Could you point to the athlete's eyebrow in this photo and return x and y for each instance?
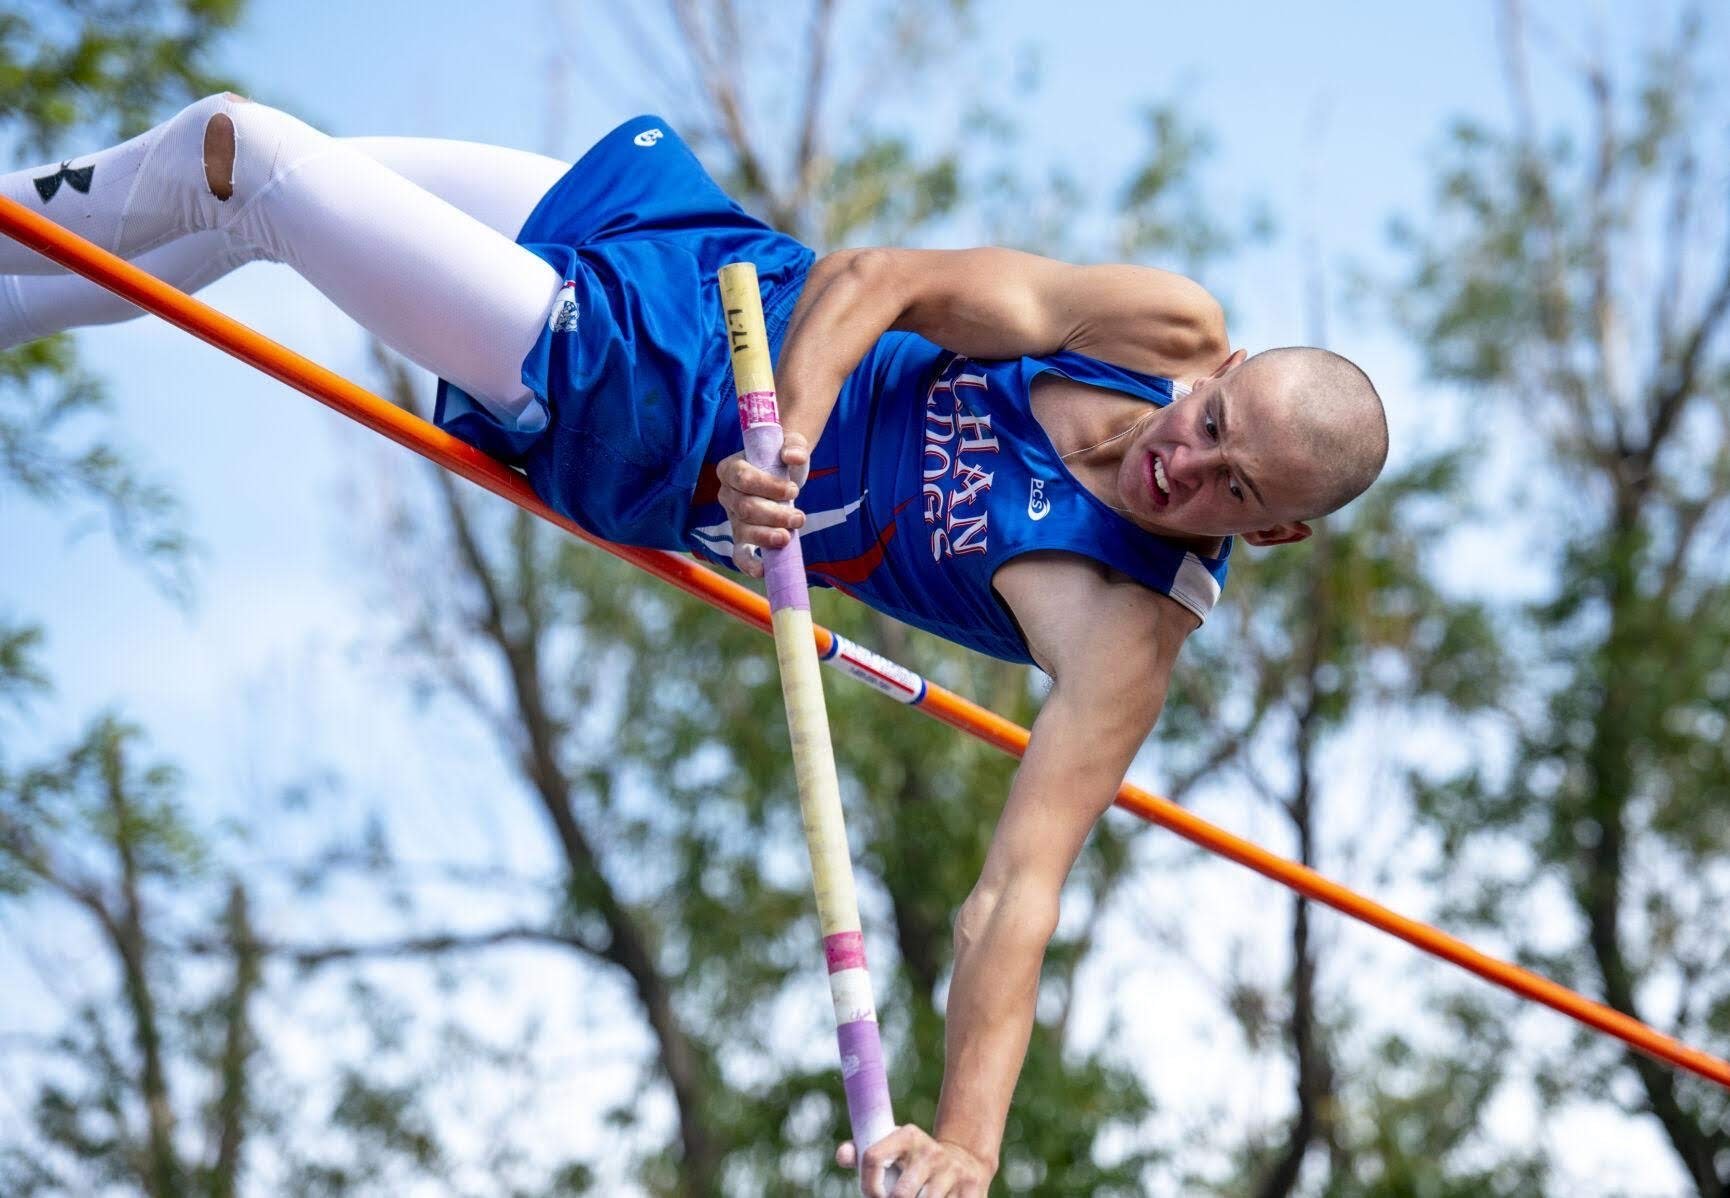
(1219, 421)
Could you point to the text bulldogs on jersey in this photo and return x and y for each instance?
(954, 483)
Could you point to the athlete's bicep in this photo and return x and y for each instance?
(997, 303)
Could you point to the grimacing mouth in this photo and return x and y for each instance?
(1157, 485)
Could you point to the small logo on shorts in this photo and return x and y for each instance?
(1038, 506)
(565, 310)
(649, 137)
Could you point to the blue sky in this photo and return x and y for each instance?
(1332, 113)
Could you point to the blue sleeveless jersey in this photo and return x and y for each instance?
(930, 475)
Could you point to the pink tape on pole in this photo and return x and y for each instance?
(845, 950)
(758, 407)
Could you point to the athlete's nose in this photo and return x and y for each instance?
(1190, 465)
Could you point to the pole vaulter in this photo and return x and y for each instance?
(202, 321)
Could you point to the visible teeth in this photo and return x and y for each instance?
(1159, 476)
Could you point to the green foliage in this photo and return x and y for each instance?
(1567, 279)
(882, 192)
(1164, 211)
(21, 677)
(110, 66)
(94, 69)
(53, 449)
(1312, 639)
(1414, 1122)
(94, 792)
(93, 830)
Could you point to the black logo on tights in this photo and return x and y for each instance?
(78, 180)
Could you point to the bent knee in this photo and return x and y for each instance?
(219, 156)
(225, 147)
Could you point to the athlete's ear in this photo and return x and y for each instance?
(1231, 363)
(1279, 534)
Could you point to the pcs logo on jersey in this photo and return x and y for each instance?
(1038, 506)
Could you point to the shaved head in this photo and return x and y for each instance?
(1333, 417)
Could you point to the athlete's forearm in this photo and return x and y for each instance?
(992, 996)
(846, 306)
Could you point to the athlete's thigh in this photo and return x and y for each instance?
(496, 185)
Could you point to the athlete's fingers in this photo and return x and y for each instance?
(796, 456)
(756, 534)
(845, 1154)
(914, 1174)
(874, 1168)
(918, 1169)
(753, 509)
(739, 474)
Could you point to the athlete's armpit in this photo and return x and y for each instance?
(1077, 616)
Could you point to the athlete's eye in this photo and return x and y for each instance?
(1236, 491)
(1211, 427)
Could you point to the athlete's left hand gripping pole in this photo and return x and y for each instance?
(862, 1070)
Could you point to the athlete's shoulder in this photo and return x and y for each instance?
(1080, 614)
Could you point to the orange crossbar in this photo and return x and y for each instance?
(357, 403)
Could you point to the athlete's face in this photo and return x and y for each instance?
(1213, 464)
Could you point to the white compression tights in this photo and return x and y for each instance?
(411, 237)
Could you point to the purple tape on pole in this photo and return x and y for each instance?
(865, 1081)
(784, 568)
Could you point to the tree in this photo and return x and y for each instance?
(103, 68)
(159, 1082)
(97, 832)
(108, 66)
(1578, 278)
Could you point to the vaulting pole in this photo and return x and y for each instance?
(439, 447)
(863, 1075)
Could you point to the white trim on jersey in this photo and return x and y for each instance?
(718, 537)
(1195, 586)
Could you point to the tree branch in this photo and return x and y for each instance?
(1681, 380)
(717, 81)
(233, 1104)
(816, 81)
(1551, 289)
(1681, 215)
(1599, 254)
(317, 956)
(131, 945)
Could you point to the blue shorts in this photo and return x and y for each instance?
(632, 367)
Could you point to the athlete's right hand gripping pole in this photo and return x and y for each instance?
(862, 1071)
